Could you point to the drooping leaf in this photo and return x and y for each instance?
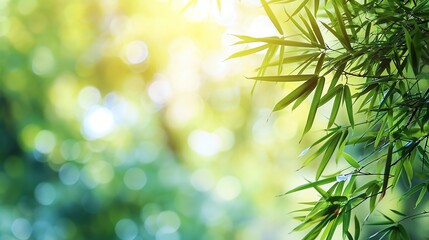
(328, 154)
(272, 17)
(249, 51)
(307, 86)
(351, 160)
(315, 27)
(349, 104)
(312, 185)
(286, 78)
(314, 104)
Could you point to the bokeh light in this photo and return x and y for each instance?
(124, 120)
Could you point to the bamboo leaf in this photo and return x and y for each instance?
(387, 167)
(331, 93)
(342, 28)
(299, 91)
(301, 6)
(349, 104)
(315, 27)
(312, 185)
(328, 154)
(337, 35)
(319, 64)
(276, 41)
(421, 195)
(357, 228)
(314, 104)
(249, 51)
(335, 108)
(272, 17)
(351, 160)
(286, 78)
(297, 25)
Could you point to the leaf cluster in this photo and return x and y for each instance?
(368, 59)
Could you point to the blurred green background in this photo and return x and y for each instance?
(121, 119)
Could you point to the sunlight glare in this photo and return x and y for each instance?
(98, 122)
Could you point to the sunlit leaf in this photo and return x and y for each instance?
(312, 185)
(351, 160)
(305, 87)
(286, 78)
(315, 27)
(314, 104)
(349, 104)
(272, 17)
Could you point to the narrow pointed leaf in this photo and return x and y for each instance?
(335, 108)
(299, 91)
(312, 185)
(272, 17)
(351, 160)
(328, 154)
(349, 104)
(315, 27)
(285, 78)
(249, 51)
(314, 104)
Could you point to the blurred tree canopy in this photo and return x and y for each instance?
(121, 119)
(368, 59)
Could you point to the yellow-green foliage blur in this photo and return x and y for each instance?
(122, 119)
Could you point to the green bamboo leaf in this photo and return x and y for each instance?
(421, 195)
(412, 191)
(314, 104)
(381, 133)
(312, 185)
(298, 26)
(319, 64)
(346, 219)
(309, 30)
(317, 153)
(390, 220)
(357, 228)
(373, 199)
(249, 51)
(342, 28)
(350, 186)
(342, 144)
(305, 87)
(403, 232)
(398, 212)
(286, 78)
(272, 17)
(412, 57)
(351, 160)
(408, 169)
(316, 6)
(315, 27)
(335, 108)
(337, 35)
(349, 104)
(276, 41)
(267, 59)
(387, 167)
(292, 59)
(330, 94)
(301, 6)
(337, 75)
(300, 100)
(281, 60)
(328, 154)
